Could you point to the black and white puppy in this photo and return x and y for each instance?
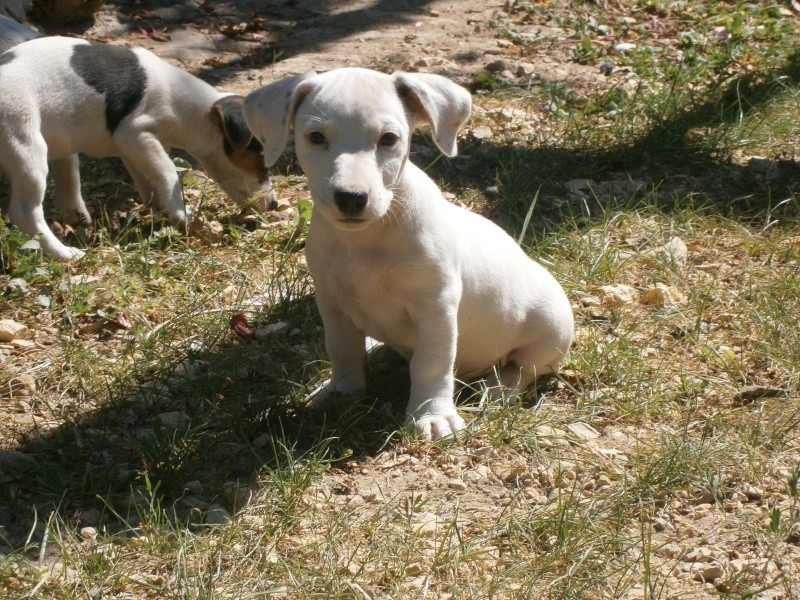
(64, 96)
(13, 33)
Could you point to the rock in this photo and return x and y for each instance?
(211, 232)
(624, 47)
(660, 524)
(749, 393)
(356, 500)
(482, 132)
(581, 185)
(534, 496)
(472, 476)
(229, 294)
(763, 170)
(91, 517)
(372, 494)
(15, 460)
(22, 346)
(22, 386)
(674, 251)
(618, 294)
(497, 66)
(11, 330)
(88, 533)
(701, 554)
(602, 481)
(661, 295)
(239, 494)
(217, 515)
(272, 330)
(173, 419)
(19, 286)
(509, 473)
(751, 491)
(359, 591)
(670, 550)
(508, 115)
(708, 573)
(485, 453)
(583, 430)
(457, 484)
(526, 70)
(262, 441)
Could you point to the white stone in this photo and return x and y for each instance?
(11, 330)
(217, 515)
(618, 294)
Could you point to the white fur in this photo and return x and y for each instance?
(447, 288)
(49, 115)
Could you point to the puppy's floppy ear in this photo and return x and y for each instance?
(435, 100)
(269, 111)
(228, 115)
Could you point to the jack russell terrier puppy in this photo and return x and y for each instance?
(392, 259)
(63, 96)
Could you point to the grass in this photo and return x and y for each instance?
(163, 456)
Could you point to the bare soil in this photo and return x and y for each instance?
(239, 45)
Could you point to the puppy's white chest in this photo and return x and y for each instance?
(369, 286)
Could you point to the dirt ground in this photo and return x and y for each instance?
(239, 45)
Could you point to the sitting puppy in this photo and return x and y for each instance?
(13, 33)
(62, 96)
(392, 259)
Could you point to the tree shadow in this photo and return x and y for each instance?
(190, 434)
(677, 160)
(292, 27)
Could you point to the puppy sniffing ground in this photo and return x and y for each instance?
(392, 259)
(64, 96)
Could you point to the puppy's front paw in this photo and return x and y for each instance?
(68, 253)
(438, 426)
(328, 395)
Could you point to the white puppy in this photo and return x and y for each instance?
(392, 259)
(62, 96)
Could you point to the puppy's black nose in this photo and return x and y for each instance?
(350, 203)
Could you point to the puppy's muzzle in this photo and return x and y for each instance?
(350, 204)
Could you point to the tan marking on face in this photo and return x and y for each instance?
(250, 161)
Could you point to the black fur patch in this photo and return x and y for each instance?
(237, 133)
(6, 57)
(403, 90)
(115, 72)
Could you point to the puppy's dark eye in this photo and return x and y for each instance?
(389, 139)
(316, 137)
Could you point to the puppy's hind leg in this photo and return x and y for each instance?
(520, 372)
(27, 195)
(68, 198)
